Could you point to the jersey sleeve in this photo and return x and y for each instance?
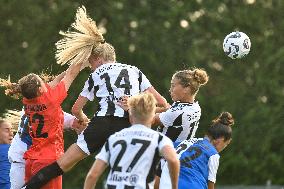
(58, 93)
(168, 117)
(88, 90)
(68, 120)
(143, 82)
(164, 142)
(104, 154)
(213, 165)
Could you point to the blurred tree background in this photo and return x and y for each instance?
(160, 37)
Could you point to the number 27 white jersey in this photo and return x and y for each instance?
(133, 154)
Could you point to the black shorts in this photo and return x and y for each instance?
(98, 131)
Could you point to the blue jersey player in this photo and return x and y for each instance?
(6, 136)
(199, 158)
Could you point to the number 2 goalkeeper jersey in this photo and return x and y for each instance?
(46, 123)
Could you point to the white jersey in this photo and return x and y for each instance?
(22, 140)
(180, 121)
(133, 154)
(109, 82)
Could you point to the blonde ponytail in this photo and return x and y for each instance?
(77, 44)
(11, 89)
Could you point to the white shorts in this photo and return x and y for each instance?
(17, 175)
(82, 143)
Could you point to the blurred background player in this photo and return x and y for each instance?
(108, 83)
(199, 158)
(133, 153)
(6, 136)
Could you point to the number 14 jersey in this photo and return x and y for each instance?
(111, 81)
(133, 154)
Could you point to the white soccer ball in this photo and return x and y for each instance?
(236, 45)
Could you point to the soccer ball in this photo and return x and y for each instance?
(236, 45)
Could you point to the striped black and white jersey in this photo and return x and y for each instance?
(109, 82)
(180, 122)
(133, 154)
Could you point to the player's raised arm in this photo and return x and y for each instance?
(161, 101)
(77, 110)
(57, 79)
(71, 74)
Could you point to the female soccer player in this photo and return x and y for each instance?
(132, 153)
(6, 136)
(199, 158)
(42, 105)
(180, 121)
(22, 141)
(108, 83)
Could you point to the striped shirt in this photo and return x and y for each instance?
(111, 81)
(180, 122)
(133, 155)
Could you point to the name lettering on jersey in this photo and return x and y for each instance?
(35, 108)
(109, 67)
(135, 133)
(132, 179)
(193, 116)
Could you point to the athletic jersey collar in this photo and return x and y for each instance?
(189, 103)
(139, 125)
(176, 103)
(106, 64)
(206, 138)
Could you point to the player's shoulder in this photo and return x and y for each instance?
(192, 109)
(4, 148)
(163, 137)
(195, 105)
(189, 142)
(128, 67)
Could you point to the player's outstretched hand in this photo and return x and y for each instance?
(123, 103)
(77, 127)
(84, 122)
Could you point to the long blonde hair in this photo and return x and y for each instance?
(78, 42)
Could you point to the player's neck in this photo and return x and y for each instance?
(146, 124)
